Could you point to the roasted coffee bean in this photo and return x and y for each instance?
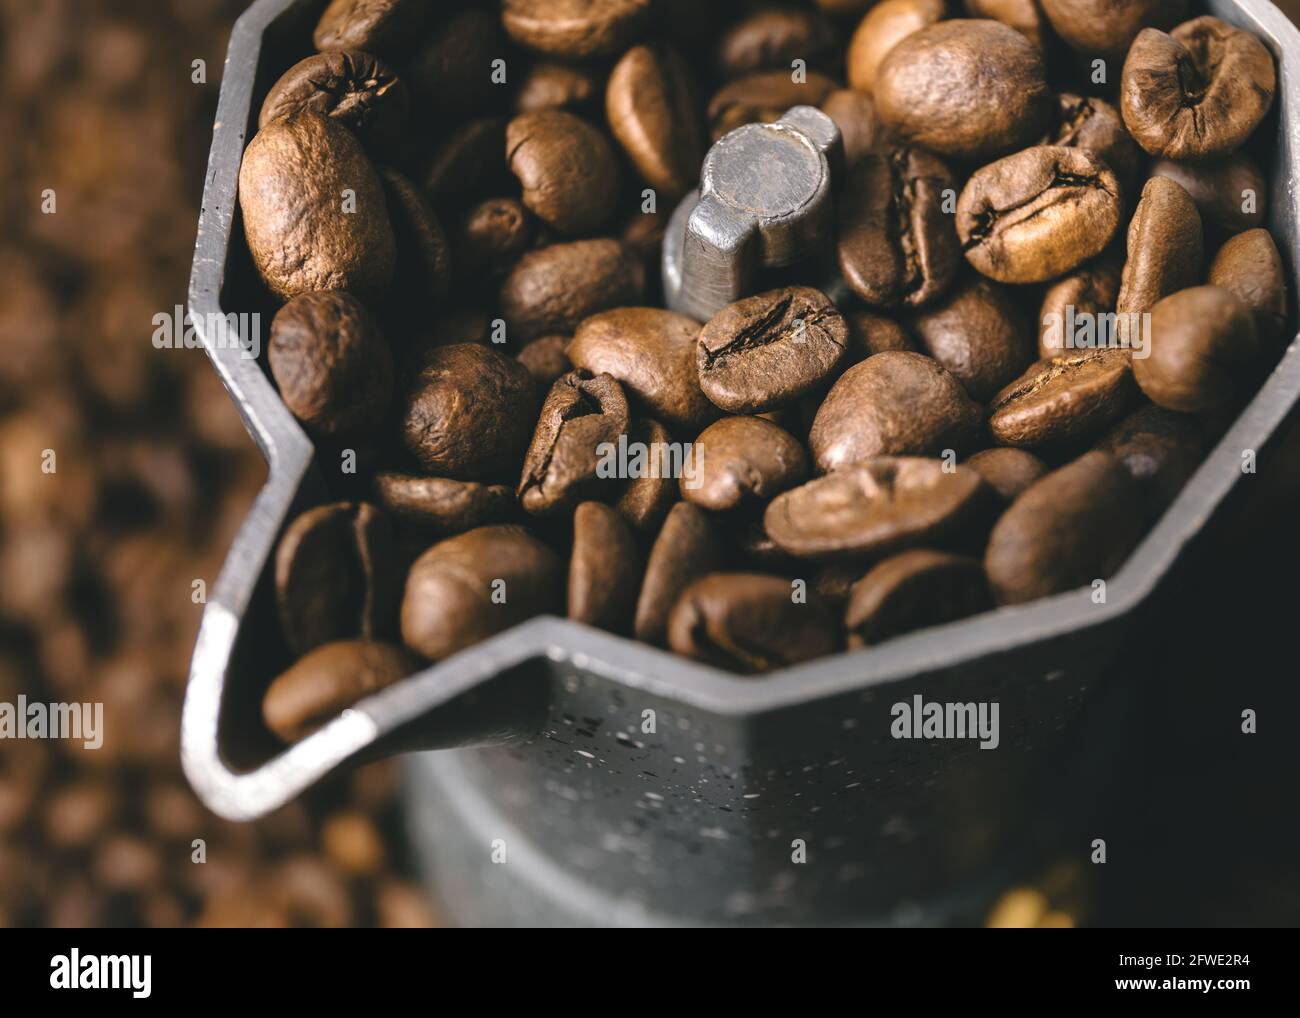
(883, 27)
(449, 327)
(567, 170)
(1107, 29)
(1202, 340)
(470, 163)
(582, 416)
(1198, 92)
(604, 569)
(475, 585)
(440, 505)
(1249, 266)
(685, 549)
(861, 132)
(552, 289)
(495, 233)
(1165, 250)
(545, 359)
(1095, 126)
(896, 243)
(979, 334)
(1025, 16)
(833, 582)
(652, 352)
(649, 495)
(336, 575)
(763, 98)
(1078, 524)
(359, 91)
(450, 72)
(1009, 472)
(300, 233)
(870, 333)
(576, 28)
(1064, 399)
(741, 460)
(968, 89)
(750, 623)
(1086, 294)
(895, 403)
(770, 40)
(331, 365)
(913, 590)
(653, 111)
(1230, 193)
(877, 507)
(766, 351)
(423, 253)
(469, 412)
(386, 27)
(1160, 449)
(548, 85)
(327, 681)
(1037, 214)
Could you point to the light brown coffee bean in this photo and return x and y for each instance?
(356, 89)
(553, 288)
(686, 548)
(647, 497)
(1165, 250)
(604, 569)
(440, 505)
(653, 111)
(881, 29)
(870, 333)
(861, 132)
(1085, 294)
(550, 85)
(1064, 399)
(1249, 266)
(567, 170)
(1007, 471)
(576, 28)
(914, 590)
(743, 460)
(1025, 16)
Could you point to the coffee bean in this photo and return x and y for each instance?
(743, 459)
(652, 353)
(653, 111)
(1009, 472)
(1087, 293)
(1037, 214)
(1230, 193)
(896, 243)
(1160, 449)
(475, 585)
(1076, 525)
(566, 168)
(1198, 92)
(545, 359)
(1249, 266)
(861, 132)
(763, 98)
(580, 415)
(1025, 16)
(770, 40)
(495, 233)
(879, 506)
(914, 590)
(450, 71)
(576, 28)
(979, 334)
(385, 27)
(833, 582)
(1165, 250)
(470, 163)
(1063, 399)
(646, 499)
(1202, 340)
(300, 235)
(359, 91)
(1106, 29)
(685, 549)
(892, 404)
(968, 89)
(336, 575)
(440, 505)
(883, 27)
(469, 412)
(1095, 126)
(765, 351)
(552, 289)
(870, 333)
(604, 569)
(331, 365)
(423, 253)
(750, 623)
(328, 680)
(550, 85)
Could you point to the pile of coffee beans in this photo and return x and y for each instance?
(1048, 291)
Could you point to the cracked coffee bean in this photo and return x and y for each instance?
(913, 590)
(359, 91)
(1064, 399)
(743, 460)
(604, 569)
(1095, 126)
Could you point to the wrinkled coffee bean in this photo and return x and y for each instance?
(386, 27)
(1063, 399)
(1095, 126)
(440, 505)
(1025, 16)
(763, 98)
(1076, 525)
(1160, 449)
(743, 459)
(604, 569)
(475, 585)
(979, 334)
(1231, 193)
(647, 497)
(1105, 28)
(685, 549)
(1009, 472)
(769, 40)
(883, 27)
(449, 71)
(576, 28)
(359, 91)
(750, 623)
(567, 170)
(1088, 292)
(1037, 214)
(1165, 250)
(545, 359)
(861, 132)
(913, 590)
(495, 233)
(1202, 340)
(552, 289)
(653, 111)
(1250, 267)
(896, 244)
(555, 86)
(765, 351)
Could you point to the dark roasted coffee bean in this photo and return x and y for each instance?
(327, 681)
(331, 365)
(581, 417)
(545, 359)
(1202, 340)
(870, 333)
(765, 351)
(686, 548)
(470, 163)
(450, 74)
(1198, 92)
(979, 334)
(1087, 293)
(892, 404)
(877, 507)
(553, 288)
(652, 353)
(549, 85)
(750, 623)
(336, 575)
(1078, 524)
(742, 460)
(604, 570)
(1009, 472)
(301, 233)
(1160, 449)
(423, 254)
(475, 585)
(861, 132)
(567, 170)
(1095, 126)
(913, 590)
(357, 90)
(469, 412)
(1103, 28)
(440, 505)
(1037, 214)
(1230, 193)
(386, 27)
(763, 97)
(495, 233)
(883, 27)
(1063, 399)
(647, 497)
(1165, 250)
(576, 28)
(770, 40)
(968, 89)
(896, 243)
(1025, 16)
(1249, 266)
